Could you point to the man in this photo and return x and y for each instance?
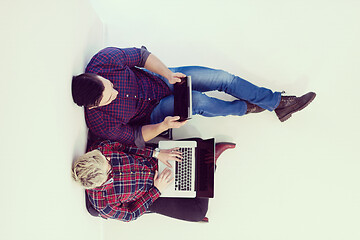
(132, 105)
(122, 182)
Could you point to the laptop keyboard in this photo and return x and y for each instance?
(183, 171)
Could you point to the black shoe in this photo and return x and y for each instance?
(252, 108)
(291, 104)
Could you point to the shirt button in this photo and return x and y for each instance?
(149, 99)
(135, 96)
(127, 95)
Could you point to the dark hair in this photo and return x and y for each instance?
(87, 89)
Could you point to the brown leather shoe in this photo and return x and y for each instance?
(252, 108)
(221, 147)
(291, 104)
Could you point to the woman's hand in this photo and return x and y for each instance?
(163, 180)
(175, 77)
(169, 154)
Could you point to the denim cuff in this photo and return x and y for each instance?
(278, 101)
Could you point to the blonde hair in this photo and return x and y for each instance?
(90, 170)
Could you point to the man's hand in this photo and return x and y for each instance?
(163, 180)
(172, 122)
(155, 65)
(175, 77)
(152, 130)
(169, 154)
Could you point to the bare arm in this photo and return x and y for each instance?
(152, 130)
(155, 65)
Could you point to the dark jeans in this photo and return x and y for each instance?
(188, 209)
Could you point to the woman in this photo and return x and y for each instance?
(122, 182)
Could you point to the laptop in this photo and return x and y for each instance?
(183, 99)
(194, 175)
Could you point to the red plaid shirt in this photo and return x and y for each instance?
(139, 93)
(132, 191)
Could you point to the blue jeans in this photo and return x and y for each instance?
(207, 79)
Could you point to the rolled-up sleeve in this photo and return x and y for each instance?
(139, 139)
(144, 56)
(111, 58)
(118, 58)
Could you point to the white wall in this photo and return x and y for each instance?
(43, 43)
(292, 180)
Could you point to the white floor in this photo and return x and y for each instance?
(284, 181)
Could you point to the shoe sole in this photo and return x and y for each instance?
(287, 116)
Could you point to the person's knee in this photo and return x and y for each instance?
(225, 79)
(199, 215)
(199, 100)
(199, 210)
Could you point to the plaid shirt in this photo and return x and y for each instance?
(139, 93)
(132, 191)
